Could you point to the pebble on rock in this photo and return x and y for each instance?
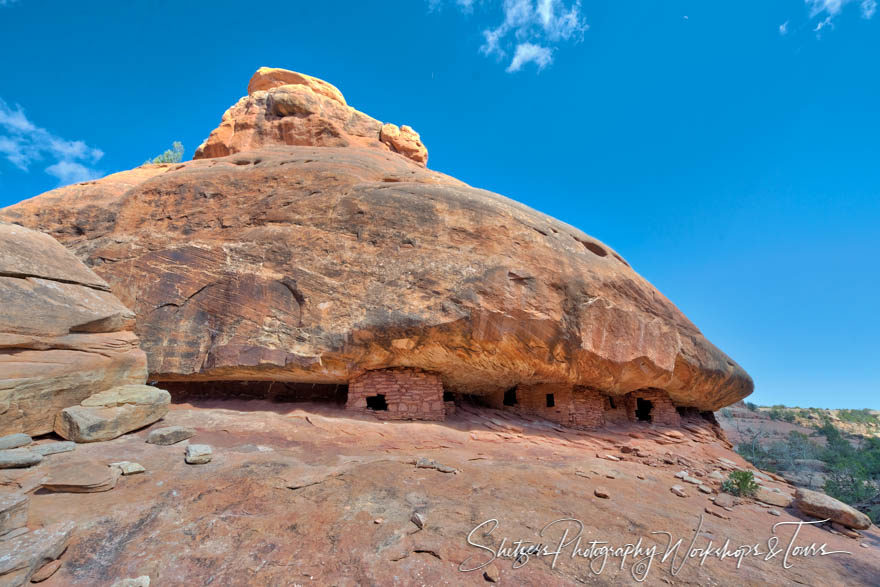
(198, 454)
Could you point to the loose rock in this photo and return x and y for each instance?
(128, 468)
(425, 463)
(112, 413)
(704, 489)
(22, 557)
(18, 458)
(14, 441)
(724, 500)
(198, 454)
(601, 492)
(45, 572)
(170, 435)
(678, 490)
(88, 477)
(142, 581)
(492, 574)
(418, 519)
(821, 506)
(771, 497)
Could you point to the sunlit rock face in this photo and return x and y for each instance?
(317, 258)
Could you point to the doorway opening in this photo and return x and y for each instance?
(643, 410)
(377, 403)
(551, 401)
(510, 397)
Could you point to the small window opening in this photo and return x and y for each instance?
(377, 403)
(510, 397)
(551, 401)
(448, 397)
(643, 410)
(611, 403)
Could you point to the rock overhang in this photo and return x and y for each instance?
(319, 262)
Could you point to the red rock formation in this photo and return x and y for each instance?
(318, 263)
(63, 335)
(289, 108)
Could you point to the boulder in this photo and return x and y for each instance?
(824, 507)
(170, 435)
(21, 557)
(84, 477)
(13, 512)
(302, 248)
(112, 413)
(63, 335)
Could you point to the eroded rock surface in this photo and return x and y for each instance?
(289, 108)
(111, 413)
(317, 263)
(63, 335)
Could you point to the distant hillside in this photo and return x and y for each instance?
(835, 451)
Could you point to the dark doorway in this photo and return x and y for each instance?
(551, 401)
(643, 410)
(448, 396)
(510, 397)
(377, 403)
(611, 403)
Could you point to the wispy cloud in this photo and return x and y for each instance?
(827, 10)
(24, 144)
(783, 28)
(529, 53)
(530, 30)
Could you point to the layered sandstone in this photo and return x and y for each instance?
(289, 108)
(319, 263)
(63, 335)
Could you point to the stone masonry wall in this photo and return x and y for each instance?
(411, 394)
(662, 409)
(587, 408)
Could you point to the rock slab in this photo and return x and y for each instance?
(83, 477)
(13, 512)
(170, 435)
(22, 557)
(824, 507)
(63, 335)
(112, 413)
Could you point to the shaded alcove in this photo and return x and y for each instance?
(643, 409)
(276, 391)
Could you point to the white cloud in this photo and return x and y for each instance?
(783, 28)
(529, 28)
(69, 172)
(7, 2)
(530, 53)
(23, 143)
(831, 8)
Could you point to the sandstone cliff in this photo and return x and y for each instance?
(63, 335)
(308, 242)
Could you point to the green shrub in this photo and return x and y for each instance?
(752, 407)
(740, 483)
(172, 155)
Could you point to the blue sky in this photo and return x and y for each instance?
(729, 150)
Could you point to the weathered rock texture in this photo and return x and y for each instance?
(289, 108)
(110, 414)
(825, 507)
(63, 335)
(319, 263)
